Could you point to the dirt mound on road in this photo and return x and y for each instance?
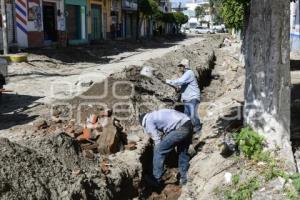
(28, 174)
(51, 166)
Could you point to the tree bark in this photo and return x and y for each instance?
(4, 27)
(267, 88)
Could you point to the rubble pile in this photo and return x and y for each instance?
(29, 174)
(221, 112)
(93, 160)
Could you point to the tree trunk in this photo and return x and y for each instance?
(267, 88)
(4, 27)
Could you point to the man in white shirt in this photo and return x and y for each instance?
(190, 94)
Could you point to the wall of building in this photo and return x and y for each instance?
(115, 19)
(295, 27)
(78, 22)
(30, 24)
(104, 13)
(21, 23)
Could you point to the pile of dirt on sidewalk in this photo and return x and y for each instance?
(130, 91)
(116, 176)
(31, 174)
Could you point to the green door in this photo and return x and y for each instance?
(96, 22)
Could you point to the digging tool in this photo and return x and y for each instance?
(2, 90)
(147, 72)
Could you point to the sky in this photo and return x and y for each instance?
(183, 2)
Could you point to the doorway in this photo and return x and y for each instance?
(96, 22)
(73, 22)
(49, 19)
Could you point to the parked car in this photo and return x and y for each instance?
(219, 28)
(186, 30)
(202, 30)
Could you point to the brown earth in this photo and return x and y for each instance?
(83, 178)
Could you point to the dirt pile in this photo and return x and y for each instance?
(30, 174)
(222, 112)
(54, 153)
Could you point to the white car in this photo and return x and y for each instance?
(202, 30)
(219, 28)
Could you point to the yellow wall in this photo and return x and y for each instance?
(106, 10)
(109, 19)
(105, 6)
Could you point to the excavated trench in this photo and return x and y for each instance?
(67, 172)
(295, 109)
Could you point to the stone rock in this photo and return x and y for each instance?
(274, 190)
(86, 83)
(205, 174)
(133, 138)
(40, 124)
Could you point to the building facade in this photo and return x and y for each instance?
(295, 27)
(76, 21)
(129, 18)
(37, 23)
(97, 19)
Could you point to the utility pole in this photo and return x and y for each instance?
(4, 27)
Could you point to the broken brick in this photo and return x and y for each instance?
(88, 154)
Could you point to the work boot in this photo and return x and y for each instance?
(192, 151)
(153, 182)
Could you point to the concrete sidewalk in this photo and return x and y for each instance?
(50, 83)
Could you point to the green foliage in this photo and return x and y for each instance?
(200, 12)
(180, 18)
(148, 7)
(292, 193)
(233, 13)
(251, 145)
(243, 191)
(215, 7)
(264, 156)
(158, 15)
(168, 18)
(176, 17)
(272, 171)
(296, 181)
(235, 179)
(249, 142)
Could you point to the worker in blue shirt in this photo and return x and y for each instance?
(176, 128)
(190, 94)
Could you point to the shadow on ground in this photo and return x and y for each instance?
(99, 52)
(295, 114)
(295, 108)
(295, 65)
(13, 107)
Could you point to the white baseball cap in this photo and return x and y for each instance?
(185, 62)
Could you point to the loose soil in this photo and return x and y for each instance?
(36, 151)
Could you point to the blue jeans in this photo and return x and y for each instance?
(191, 110)
(181, 138)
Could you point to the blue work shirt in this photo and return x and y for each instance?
(189, 85)
(164, 120)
